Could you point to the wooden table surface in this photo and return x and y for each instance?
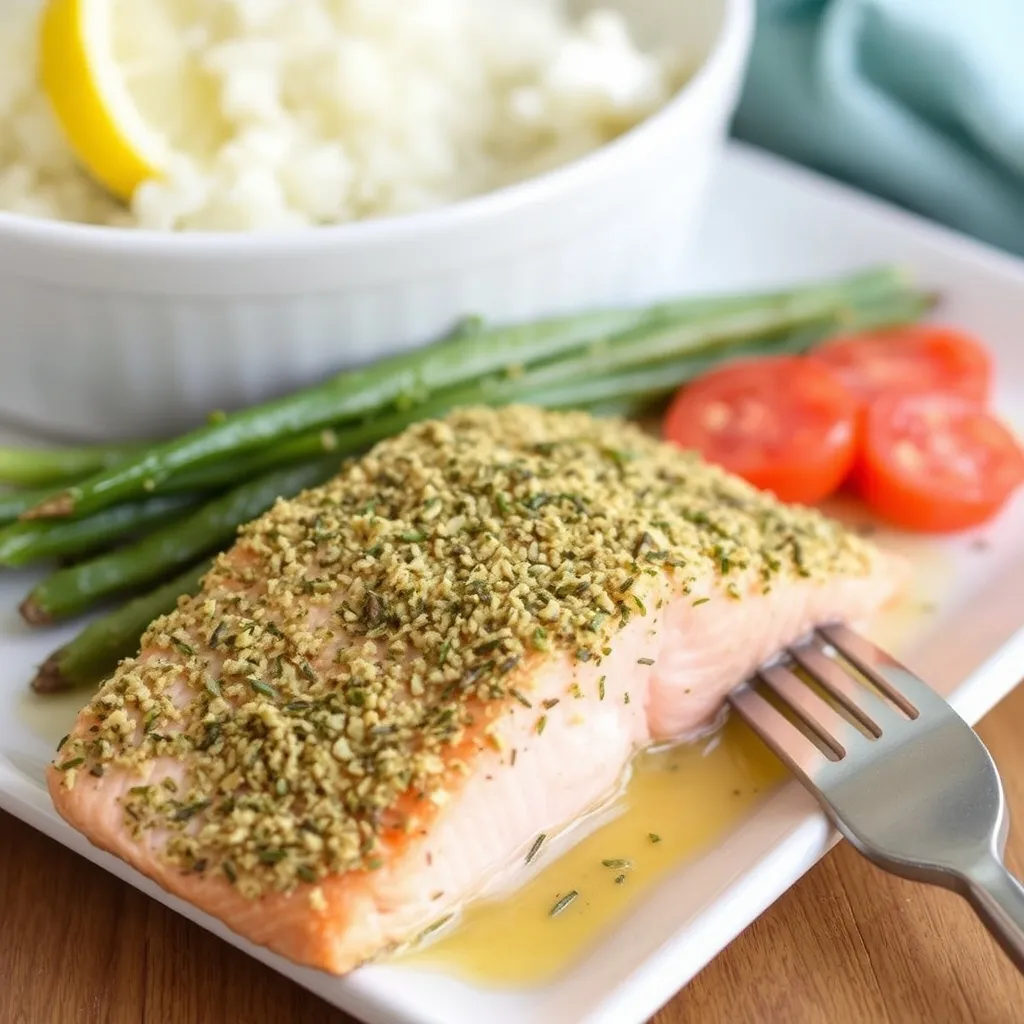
(847, 945)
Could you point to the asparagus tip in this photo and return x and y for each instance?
(62, 504)
(33, 613)
(49, 678)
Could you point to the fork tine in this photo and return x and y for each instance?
(788, 743)
(869, 709)
(830, 726)
(912, 694)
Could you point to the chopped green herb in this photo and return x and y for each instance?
(701, 600)
(73, 763)
(564, 902)
(436, 926)
(265, 689)
(654, 837)
(537, 844)
(187, 649)
(600, 687)
(520, 696)
(191, 810)
(617, 863)
(645, 661)
(541, 723)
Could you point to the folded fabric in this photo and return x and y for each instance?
(921, 101)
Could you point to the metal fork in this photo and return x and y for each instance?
(900, 774)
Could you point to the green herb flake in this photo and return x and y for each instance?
(75, 762)
(309, 672)
(436, 926)
(521, 697)
(264, 689)
(550, 703)
(63, 740)
(700, 601)
(645, 661)
(537, 844)
(600, 687)
(442, 656)
(617, 862)
(212, 686)
(654, 837)
(567, 900)
(185, 648)
(190, 810)
(541, 724)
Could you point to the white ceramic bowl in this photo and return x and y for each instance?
(114, 333)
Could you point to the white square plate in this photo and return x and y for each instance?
(767, 223)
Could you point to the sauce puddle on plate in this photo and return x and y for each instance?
(677, 804)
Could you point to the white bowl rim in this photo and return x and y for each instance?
(734, 34)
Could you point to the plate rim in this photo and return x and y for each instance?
(796, 848)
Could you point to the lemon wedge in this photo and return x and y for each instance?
(126, 82)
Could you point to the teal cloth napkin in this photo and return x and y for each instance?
(921, 101)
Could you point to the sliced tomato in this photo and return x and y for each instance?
(784, 423)
(918, 357)
(936, 463)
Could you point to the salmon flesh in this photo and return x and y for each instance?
(392, 684)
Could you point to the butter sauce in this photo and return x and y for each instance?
(677, 804)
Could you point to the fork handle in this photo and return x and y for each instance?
(998, 899)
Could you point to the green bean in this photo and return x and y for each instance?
(95, 652)
(463, 357)
(40, 539)
(73, 590)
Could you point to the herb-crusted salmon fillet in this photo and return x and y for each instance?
(393, 683)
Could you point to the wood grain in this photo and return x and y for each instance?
(847, 945)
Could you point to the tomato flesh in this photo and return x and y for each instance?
(919, 357)
(936, 463)
(783, 423)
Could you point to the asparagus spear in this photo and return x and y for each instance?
(465, 356)
(70, 591)
(34, 541)
(39, 467)
(96, 651)
(17, 503)
(73, 590)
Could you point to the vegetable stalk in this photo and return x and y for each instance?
(464, 357)
(95, 652)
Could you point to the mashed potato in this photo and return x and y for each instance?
(339, 110)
